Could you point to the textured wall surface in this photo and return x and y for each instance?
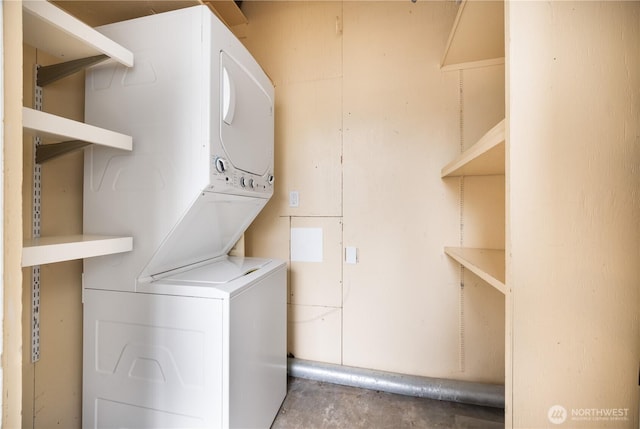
(574, 142)
(365, 120)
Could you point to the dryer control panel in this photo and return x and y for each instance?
(228, 179)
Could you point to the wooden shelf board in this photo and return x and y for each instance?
(228, 11)
(46, 250)
(473, 64)
(485, 158)
(477, 33)
(103, 12)
(56, 128)
(52, 30)
(488, 264)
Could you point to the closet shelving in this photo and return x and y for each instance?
(484, 158)
(466, 50)
(488, 264)
(46, 250)
(54, 127)
(51, 29)
(477, 36)
(48, 28)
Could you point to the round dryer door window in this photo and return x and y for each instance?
(246, 118)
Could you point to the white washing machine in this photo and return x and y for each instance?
(176, 333)
(205, 350)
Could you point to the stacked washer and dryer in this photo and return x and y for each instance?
(177, 333)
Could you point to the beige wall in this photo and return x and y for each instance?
(574, 208)
(12, 228)
(365, 120)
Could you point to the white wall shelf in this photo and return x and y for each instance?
(488, 264)
(484, 158)
(477, 40)
(52, 30)
(46, 250)
(57, 128)
(477, 36)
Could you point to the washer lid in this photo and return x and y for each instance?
(208, 230)
(219, 272)
(246, 118)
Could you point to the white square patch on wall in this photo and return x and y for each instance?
(306, 244)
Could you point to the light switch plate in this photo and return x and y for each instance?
(351, 255)
(294, 199)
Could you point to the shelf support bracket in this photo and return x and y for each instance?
(47, 152)
(55, 72)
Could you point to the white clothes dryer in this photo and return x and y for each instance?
(201, 113)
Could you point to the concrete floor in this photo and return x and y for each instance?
(315, 405)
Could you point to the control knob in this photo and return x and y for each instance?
(221, 165)
(247, 183)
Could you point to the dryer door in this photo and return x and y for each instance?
(246, 118)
